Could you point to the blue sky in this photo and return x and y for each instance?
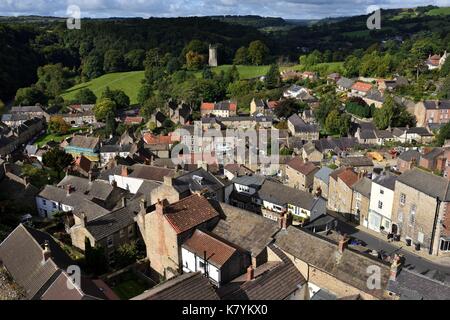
(295, 9)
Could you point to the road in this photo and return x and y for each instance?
(413, 262)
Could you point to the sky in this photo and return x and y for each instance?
(289, 9)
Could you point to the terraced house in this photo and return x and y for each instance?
(83, 145)
(420, 213)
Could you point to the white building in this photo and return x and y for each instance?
(207, 254)
(381, 202)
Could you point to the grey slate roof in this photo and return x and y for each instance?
(197, 180)
(114, 221)
(324, 174)
(277, 281)
(345, 82)
(433, 153)
(22, 255)
(282, 195)
(410, 155)
(413, 286)
(84, 142)
(363, 186)
(246, 229)
(96, 189)
(386, 180)
(254, 180)
(300, 125)
(350, 267)
(188, 286)
(427, 183)
(356, 161)
(437, 104)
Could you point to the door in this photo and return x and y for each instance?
(374, 221)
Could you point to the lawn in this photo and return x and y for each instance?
(54, 137)
(129, 286)
(129, 82)
(439, 11)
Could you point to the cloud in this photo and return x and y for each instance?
(294, 9)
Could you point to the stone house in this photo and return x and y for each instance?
(408, 160)
(165, 227)
(361, 199)
(311, 153)
(433, 159)
(358, 163)
(381, 203)
(300, 175)
(321, 181)
(330, 267)
(340, 192)
(432, 113)
(219, 109)
(420, 214)
(299, 128)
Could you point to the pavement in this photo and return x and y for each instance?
(418, 261)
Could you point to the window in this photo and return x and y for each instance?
(54, 205)
(110, 241)
(420, 237)
(445, 244)
(400, 216)
(358, 196)
(402, 199)
(412, 215)
(130, 231)
(380, 205)
(201, 264)
(122, 233)
(381, 191)
(44, 202)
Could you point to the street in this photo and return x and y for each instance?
(413, 262)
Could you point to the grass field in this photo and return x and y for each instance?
(129, 82)
(439, 11)
(129, 286)
(53, 137)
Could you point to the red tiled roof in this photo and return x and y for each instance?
(361, 86)
(189, 212)
(217, 252)
(295, 163)
(273, 104)
(84, 163)
(233, 106)
(150, 138)
(348, 177)
(207, 106)
(133, 120)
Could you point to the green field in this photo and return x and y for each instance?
(439, 11)
(129, 82)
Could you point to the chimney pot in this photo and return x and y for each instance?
(250, 273)
(343, 243)
(143, 205)
(124, 202)
(46, 253)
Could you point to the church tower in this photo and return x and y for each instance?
(212, 56)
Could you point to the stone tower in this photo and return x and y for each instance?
(212, 56)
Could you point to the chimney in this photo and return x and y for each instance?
(124, 172)
(83, 219)
(168, 181)
(124, 202)
(69, 189)
(143, 205)
(343, 243)
(46, 253)
(396, 266)
(159, 207)
(250, 273)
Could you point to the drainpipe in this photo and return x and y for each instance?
(433, 233)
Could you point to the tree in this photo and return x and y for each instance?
(445, 69)
(103, 107)
(57, 159)
(58, 125)
(445, 90)
(113, 61)
(257, 52)
(333, 122)
(95, 258)
(194, 60)
(53, 79)
(110, 124)
(2, 107)
(392, 114)
(287, 108)
(92, 66)
(85, 96)
(241, 56)
(126, 254)
(117, 96)
(351, 66)
(207, 73)
(443, 134)
(151, 105)
(273, 78)
(134, 59)
(30, 96)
